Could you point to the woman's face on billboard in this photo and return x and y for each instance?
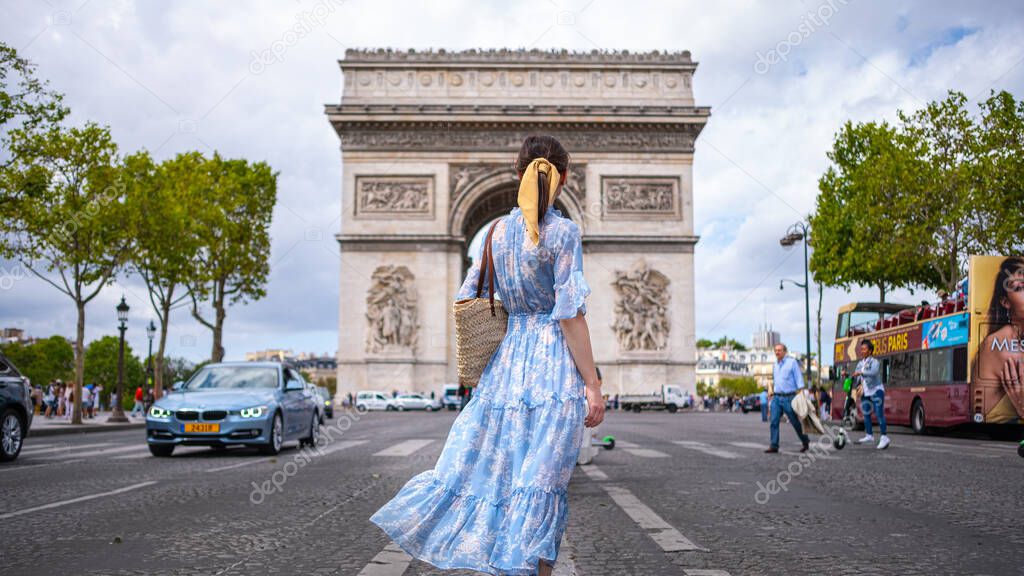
(1014, 300)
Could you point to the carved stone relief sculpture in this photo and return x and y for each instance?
(641, 308)
(632, 197)
(394, 196)
(391, 310)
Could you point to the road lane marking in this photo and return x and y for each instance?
(22, 467)
(64, 448)
(704, 572)
(636, 450)
(647, 453)
(339, 446)
(100, 452)
(753, 445)
(663, 534)
(405, 448)
(391, 561)
(76, 500)
(811, 453)
(34, 445)
(594, 473)
(941, 451)
(705, 449)
(239, 465)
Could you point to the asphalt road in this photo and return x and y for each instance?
(688, 494)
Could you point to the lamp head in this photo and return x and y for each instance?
(122, 310)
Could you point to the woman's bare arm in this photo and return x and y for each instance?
(577, 336)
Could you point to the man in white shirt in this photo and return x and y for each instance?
(868, 372)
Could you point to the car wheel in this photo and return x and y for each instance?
(637, 408)
(161, 450)
(13, 435)
(276, 440)
(314, 434)
(672, 408)
(917, 417)
(391, 408)
(745, 410)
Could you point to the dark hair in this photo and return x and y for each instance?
(542, 146)
(997, 313)
(869, 344)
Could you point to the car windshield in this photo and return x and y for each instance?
(324, 394)
(231, 377)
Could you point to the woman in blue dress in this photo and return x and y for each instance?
(496, 500)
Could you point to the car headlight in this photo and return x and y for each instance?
(327, 402)
(254, 412)
(158, 412)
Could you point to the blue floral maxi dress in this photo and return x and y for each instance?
(496, 500)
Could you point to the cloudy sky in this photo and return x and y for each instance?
(780, 78)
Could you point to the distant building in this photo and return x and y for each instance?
(9, 335)
(320, 368)
(269, 355)
(766, 338)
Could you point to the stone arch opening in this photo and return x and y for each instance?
(488, 207)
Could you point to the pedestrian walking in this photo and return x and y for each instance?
(138, 408)
(826, 404)
(786, 383)
(50, 401)
(86, 402)
(496, 501)
(872, 401)
(97, 391)
(763, 397)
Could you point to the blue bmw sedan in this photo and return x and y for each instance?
(261, 404)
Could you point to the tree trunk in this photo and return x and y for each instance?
(158, 363)
(76, 413)
(881, 291)
(820, 358)
(218, 323)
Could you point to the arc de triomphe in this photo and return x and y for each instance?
(427, 142)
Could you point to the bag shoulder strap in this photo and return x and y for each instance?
(487, 269)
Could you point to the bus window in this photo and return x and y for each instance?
(843, 326)
(903, 369)
(940, 365)
(923, 375)
(960, 364)
(885, 370)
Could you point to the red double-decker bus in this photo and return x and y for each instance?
(955, 362)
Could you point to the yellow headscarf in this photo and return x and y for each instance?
(528, 195)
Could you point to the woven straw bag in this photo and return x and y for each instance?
(480, 323)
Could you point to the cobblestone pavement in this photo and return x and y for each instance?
(688, 494)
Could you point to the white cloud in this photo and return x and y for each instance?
(176, 76)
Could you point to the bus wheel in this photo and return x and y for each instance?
(1020, 450)
(917, 417)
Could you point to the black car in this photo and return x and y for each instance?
(751, 403)
(325, 396)
(15, 410)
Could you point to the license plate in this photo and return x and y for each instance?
(201, 428)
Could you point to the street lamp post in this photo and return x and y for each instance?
(117, 414)
(796, 233)
(151, 332)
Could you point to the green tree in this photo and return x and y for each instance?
(705, 343)
(233, 259)
(906, 205)
(101, 365)
(161, 199)
(726, 342)
(860, 231)
(67, 226)
(1002, 167)
(26, 104)
(743, 386)
(44, 360)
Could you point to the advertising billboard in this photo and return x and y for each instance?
(996, 346)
